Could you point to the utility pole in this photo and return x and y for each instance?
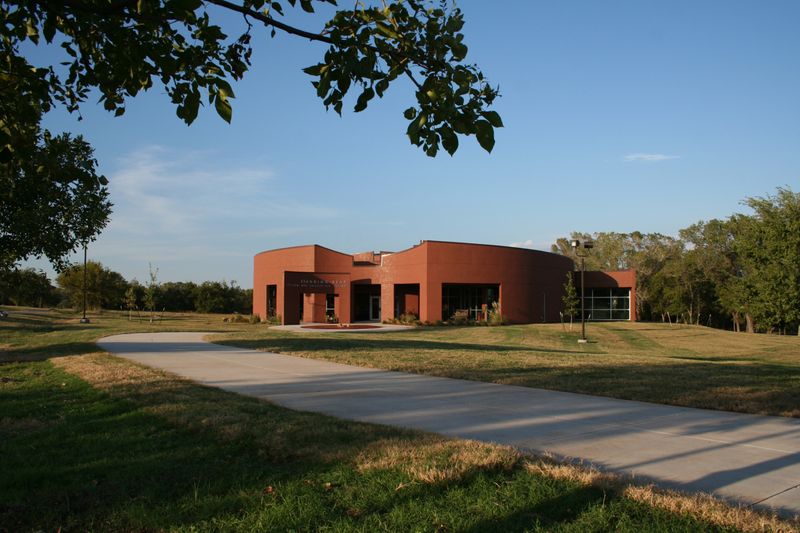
(84, 320)
(577, 246)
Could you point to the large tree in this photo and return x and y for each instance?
(52, 200)
(768, 250)
(647, 253)
(104, 288)
(27, 287)
(122, 47)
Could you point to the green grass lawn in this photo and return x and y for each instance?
(691, 366)
(93, 442)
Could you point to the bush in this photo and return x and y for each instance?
(496, 318)
(236, 318)
(255, 318)
(409, 319)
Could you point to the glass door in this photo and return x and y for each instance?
(374, 307)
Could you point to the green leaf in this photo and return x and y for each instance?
(361, 103)
(32, 31)
(410, 113)
(49, 29)
(493, 118)
(386, 30)
(454, 24)
(224, 89)
(223, 109)
(485, 135)
(381, 87)
(449, 140)
(414, 127)
(343, 84)
(459, 51)
(313, 70)
(190, 108)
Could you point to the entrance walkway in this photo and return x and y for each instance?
(747, 458)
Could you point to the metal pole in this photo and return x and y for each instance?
(583, 300)
(84, 320)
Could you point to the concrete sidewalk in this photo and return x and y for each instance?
(747, 458)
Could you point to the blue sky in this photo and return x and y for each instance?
(619, 116)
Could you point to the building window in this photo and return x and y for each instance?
(330, 309)
(474, 300)
(608, 304)
(272, 298)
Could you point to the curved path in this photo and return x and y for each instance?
(748, 458)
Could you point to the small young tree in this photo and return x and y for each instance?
(131, 298)
(151, 292)
(570, 301)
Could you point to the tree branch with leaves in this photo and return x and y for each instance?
(121, 48)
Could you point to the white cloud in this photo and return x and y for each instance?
(198, 215)
(649, 157)
(159, 192)
(156, 190)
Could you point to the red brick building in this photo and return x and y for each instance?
(433, 280)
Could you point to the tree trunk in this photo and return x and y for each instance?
(750, 326)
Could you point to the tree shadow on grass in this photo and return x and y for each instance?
(161, 453)
(312, 344)
(739, 385)
(41, 353)
(762, 388)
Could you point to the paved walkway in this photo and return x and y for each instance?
(749, 458)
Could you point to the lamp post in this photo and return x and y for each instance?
(84, 320)
(577, 246)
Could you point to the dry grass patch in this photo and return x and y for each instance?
(431, 459)
(703, 506)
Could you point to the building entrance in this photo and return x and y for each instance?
(374, 307)
(366, 302)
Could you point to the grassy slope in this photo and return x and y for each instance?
(92, 442)
(34, 334)
(680, 365)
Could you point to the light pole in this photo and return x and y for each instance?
(84, 320)
(577, 246)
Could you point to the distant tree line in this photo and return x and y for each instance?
(741, 273)
(106, 289)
